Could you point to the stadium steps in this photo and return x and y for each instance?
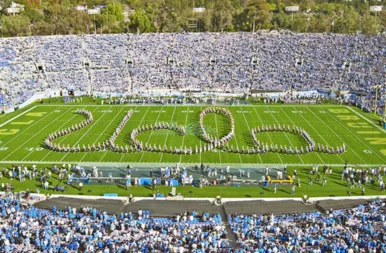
(330, 204)
(230, 235)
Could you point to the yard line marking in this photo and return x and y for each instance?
(167, 135)
(151, 133)
(27, 127)
(285, 134)
(218, 136)
(17, 116)
(105, 153)
(61, 139)
(301, 114)
(32, 137)
(356, 136)
(269, 135)
(337, 135)
(54, 131)
(183, 138)
(249, 130)
(91, 127)
(101, 134)
(143, 117)
(363, 117)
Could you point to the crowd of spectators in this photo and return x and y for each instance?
(29, 229)
(359, 229)
(25, 228)
(234, 62)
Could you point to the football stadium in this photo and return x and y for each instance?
(193, 142)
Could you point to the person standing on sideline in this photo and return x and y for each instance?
(274, 188)
(128, 182)
(324, 181)
(293, 190)
(80, 186)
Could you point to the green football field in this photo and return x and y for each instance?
(22, 134)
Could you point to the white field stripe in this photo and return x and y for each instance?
(249, 130)
(157, 164)
(151, 133)
(53, 131)
(105, 152)
(218, 136)
(314, 130)
(285, 135)
(91, 127)
(29, 126)
(143, 117)
(269, 135)
(183, 138)
(63, 139)
(356, 136)
(337, 135)
(363, 117)
(101, 134)
(167, 135)
(33, 136)
(17, 116)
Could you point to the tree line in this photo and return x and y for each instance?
(53, 17)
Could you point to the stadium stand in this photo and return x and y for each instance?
(90, 229)
(234, 62)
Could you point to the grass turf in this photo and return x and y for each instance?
(21, 139)
(335, 187)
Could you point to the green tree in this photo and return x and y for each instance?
(319, 23)
(347, 21)
(300, 23)
(222, 15)
(79, 22)
(282, 20)
(370, 24)
(258, 15)
(106, 21)
(382, 20)
(114, 9)
(140, 22)
(170, 15)
(43, 28)
(33, 14)
(15, 25)
(58, 17)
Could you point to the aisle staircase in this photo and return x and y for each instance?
(232, 239)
